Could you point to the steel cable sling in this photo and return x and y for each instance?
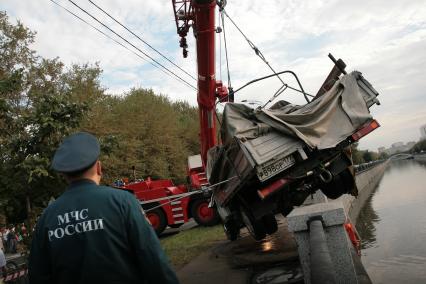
(257, 51)
(183, 195)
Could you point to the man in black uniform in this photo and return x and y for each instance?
(91, 233)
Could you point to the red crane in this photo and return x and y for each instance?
(155, 195)
(200, 15)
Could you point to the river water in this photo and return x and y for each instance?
(392, 225)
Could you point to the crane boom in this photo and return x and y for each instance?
(200, 15)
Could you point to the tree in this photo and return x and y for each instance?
(188, 125)
(42, 101)
(383, 156)
(418, 147)
(40, 104)
(150, 132)
(357, 155)
(369, 156)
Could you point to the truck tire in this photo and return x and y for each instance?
(270, 224)
(158, 220)
(341, 184)
(255, 227)
(175, 226)
(232, 231)
(204, 215)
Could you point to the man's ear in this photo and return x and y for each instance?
(99, 168)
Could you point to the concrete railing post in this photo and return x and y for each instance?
(332, 232)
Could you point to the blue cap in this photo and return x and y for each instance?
(77, 152)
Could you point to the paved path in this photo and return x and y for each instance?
(272, 260)
(246, 261)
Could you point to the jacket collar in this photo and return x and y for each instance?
(81, 182)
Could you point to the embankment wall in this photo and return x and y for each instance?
(366, 182)
(420, 157)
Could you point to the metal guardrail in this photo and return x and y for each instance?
(366, 166)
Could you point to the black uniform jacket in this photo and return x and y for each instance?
(96, 234)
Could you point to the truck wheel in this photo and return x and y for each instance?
(158, 220)
(341, 184)
(255, 227)
(232, 231)
(204, 215)
(175, 226)
(270, 223)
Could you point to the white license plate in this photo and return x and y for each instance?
(263, 173)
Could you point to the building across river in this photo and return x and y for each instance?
(423, 132)
(397, 147)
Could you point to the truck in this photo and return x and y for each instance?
(279, 156)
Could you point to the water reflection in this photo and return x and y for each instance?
(421, 163)
(365, 224)
(392, 225)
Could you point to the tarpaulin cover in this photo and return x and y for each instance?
(321, 124)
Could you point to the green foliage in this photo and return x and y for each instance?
(15, 40)
(41, 102)
(383, 156)
(418, 147)
(146, 131)
(357, 155)
(365, 156)
(185, 246)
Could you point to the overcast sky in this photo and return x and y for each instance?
(385, 40)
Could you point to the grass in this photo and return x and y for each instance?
(186, 245)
